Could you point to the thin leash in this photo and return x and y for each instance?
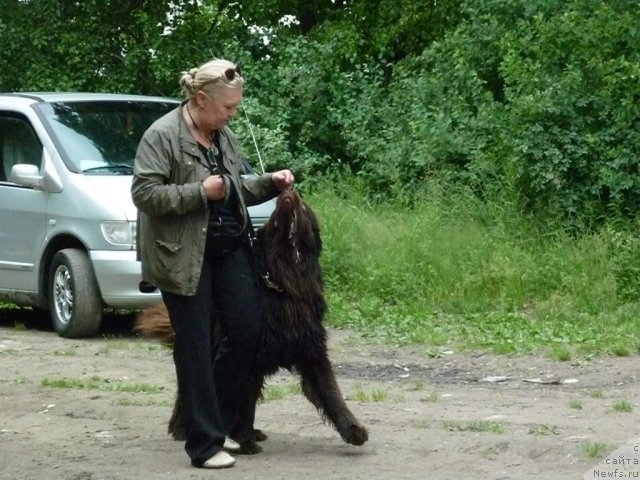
(254, 243)
(255, 143)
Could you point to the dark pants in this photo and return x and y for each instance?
(213, 377)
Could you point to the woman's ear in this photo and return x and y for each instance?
(201, 97)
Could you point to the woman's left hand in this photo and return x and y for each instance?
(283, 179)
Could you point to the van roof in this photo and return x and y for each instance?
(85, 96)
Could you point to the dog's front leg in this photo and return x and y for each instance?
(321, 388)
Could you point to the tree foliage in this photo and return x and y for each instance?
(532, 102)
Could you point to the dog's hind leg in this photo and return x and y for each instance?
(321, 388)
(243, 431)
(178, 423)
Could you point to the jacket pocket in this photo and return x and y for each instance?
(169, 261)
(168, 246)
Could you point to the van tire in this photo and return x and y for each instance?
(74, 297)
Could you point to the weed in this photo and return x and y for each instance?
(417, 386)
(145, 402)
(544, 429)
(621, 350)
(595, 449)
(433, 397)
(623, 406)
(11, 352)
(65, 352)
(475, 426)
(102, 384)
(423, 424)
(561, 353)
(278, 392)
(576, 404)
(370, 396)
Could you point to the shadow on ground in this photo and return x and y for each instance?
(114, 323)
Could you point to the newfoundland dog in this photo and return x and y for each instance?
(287, 252)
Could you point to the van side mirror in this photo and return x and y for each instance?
(29, 175)
(26, 174)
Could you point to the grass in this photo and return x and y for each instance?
(544, 429)
(457, 272)
(622, 406)
(102, 384)
(116, 344)
(65, 352)
(278, 392)
(417, 386)
(420, 424)
(575, 404)
(373, 395)
(595, 450)
(145, 402)
(560, 353)
(485, 426)
(433, 397)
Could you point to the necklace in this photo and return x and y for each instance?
(209, 137)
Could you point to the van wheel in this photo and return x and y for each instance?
(74, 298)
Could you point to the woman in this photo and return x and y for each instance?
(193, 202)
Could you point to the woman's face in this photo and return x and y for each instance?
(217, 109)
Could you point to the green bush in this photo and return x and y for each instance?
(532, 102)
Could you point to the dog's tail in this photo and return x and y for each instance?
(153, 322)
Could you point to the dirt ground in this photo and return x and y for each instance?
(450, 415)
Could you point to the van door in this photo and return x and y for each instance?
(22, 209)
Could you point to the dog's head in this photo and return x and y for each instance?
(291, 240)
(293, 228)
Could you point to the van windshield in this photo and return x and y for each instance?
(101, 137)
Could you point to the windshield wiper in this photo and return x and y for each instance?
(119, 168)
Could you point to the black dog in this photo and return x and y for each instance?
(293, 309)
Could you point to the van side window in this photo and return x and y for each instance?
(18, 144)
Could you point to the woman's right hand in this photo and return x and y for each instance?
(214, 187)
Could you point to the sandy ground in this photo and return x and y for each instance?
(447, 416)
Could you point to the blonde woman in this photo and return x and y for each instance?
(193, 202)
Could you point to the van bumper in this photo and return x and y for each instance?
(119, 275)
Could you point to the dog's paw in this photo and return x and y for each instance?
(178, 434)
(356, 435)
(249, 447)
(259, 435)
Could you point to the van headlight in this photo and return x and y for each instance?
(119, 232)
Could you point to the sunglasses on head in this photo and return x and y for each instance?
(230, 73)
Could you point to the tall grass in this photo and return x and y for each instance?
(453, 270)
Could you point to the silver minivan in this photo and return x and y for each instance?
(67, 221)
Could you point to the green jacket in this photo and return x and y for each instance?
(173, 214)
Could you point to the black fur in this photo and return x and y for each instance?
(293, 309)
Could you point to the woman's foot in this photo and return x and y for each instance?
(230, 445)
(220, 460)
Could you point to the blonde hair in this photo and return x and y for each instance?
(211, 76)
